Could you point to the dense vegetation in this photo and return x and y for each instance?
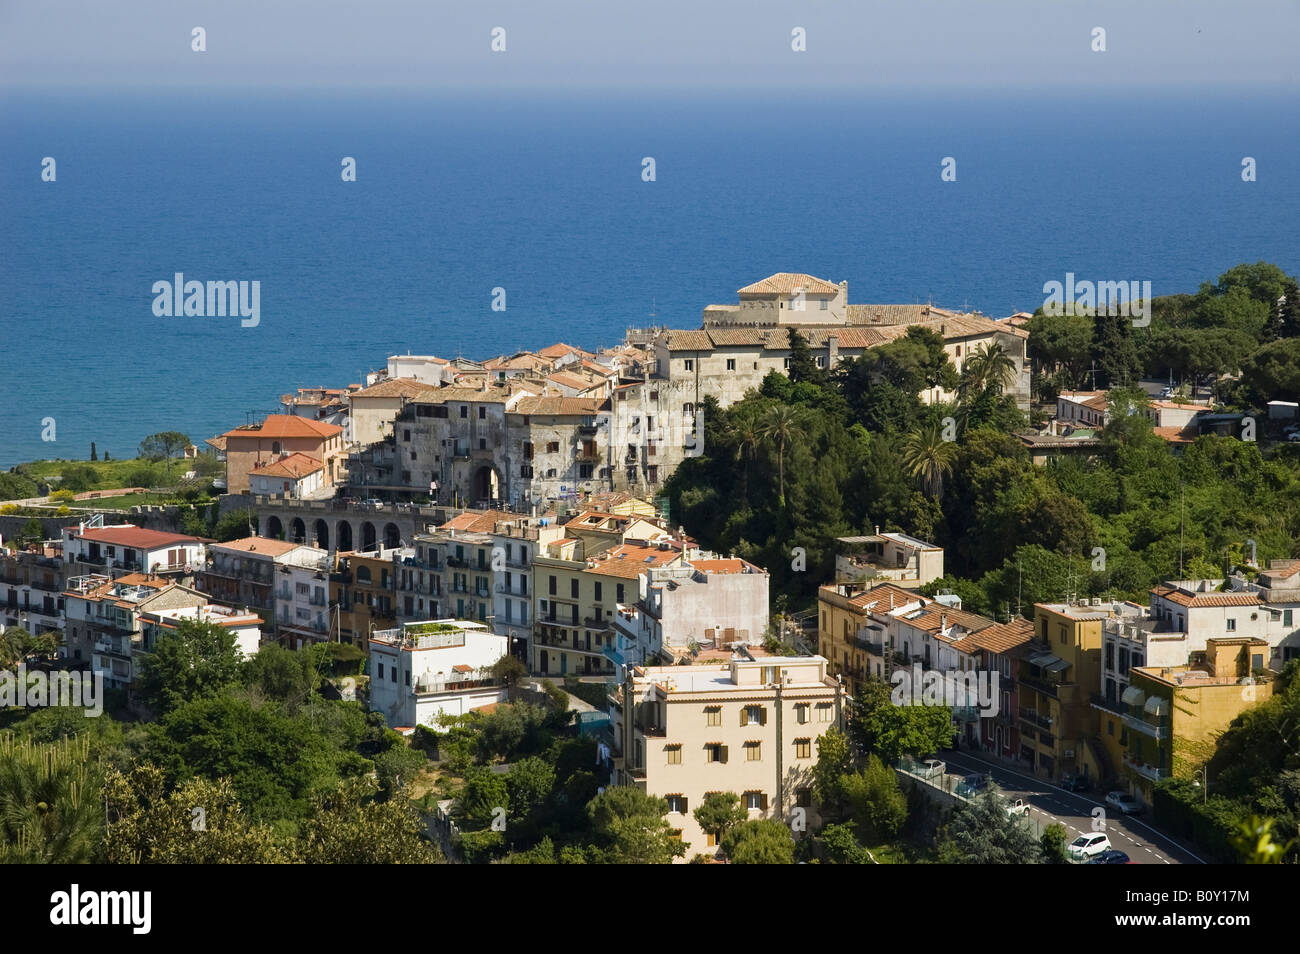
(805, 459)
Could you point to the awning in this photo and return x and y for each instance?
(1133, 696)
(1048, 662)
(1157, 706)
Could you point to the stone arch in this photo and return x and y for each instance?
(486, 484)
(344, 533)
(322, 534)
(392, 536)
(274, 528)
(297, 531)
(367, 536)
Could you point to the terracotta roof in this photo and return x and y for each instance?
(880, 595)
(1206, 599)
(998, 638)
(477, 521)
(724, 566)
(261, 545)
(284, 426)
(894, 314)
(570, 380)
(630, 560)
(137, 537)
(395, 387)
(560, 406)
(560, 349)
(689, 341)
(492, 395)
(294, 466)
(785, 283)
(219, 442)
(1176, 435)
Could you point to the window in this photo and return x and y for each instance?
(824, 304)
(464, 410)
(482, 413)
(715, 752)
(597, 585)
(674, 753)
(688, 364)
(713, 715)
(552, 447)
(731, 364)
(675, 834)
(753, 751)
(528, 450)
(821, 361)
(824, 711)
(1232, 625)
(482, 443)
(573, 588)
(393, 673)
(803, 748)
(525, 470)
(801, 712)
(552, 586)
(756, 715)
(619, 597)
(381, 670)
(756, 801)
(406, 434)
(1286, 617)
(711, 838)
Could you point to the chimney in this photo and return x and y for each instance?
(832, 351)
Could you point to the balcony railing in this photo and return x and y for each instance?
(1146, 770)
(1154, 729)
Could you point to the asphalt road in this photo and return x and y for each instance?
(1050, 803)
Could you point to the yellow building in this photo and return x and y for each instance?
(362, 596)
(847, 635)
(1060, 673)
(1176, 714)
(744, 725)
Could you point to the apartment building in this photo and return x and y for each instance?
(373, 410)
(242, 573)
(1175, 714)
(1058, 678)
(888, 557)
(31, 588)
(363, 593)
(294, 475)
(244, 624)
(703, 602)
(302, 610)
(104, 619)
(421, 670)
(996, 649)
(748, 725)
(279, 436)
(115, 550)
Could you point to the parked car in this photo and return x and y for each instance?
(1075, 783)
(1124, 802)
(373, 502)
(971, 785)
(1110, 856)
(1087, 847)
(1019, 807)
(1167, 391)
(932, 768)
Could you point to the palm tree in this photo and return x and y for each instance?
(749, 435)
(989, 366)
(781, 427)
(928, 458)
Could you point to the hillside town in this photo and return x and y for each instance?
(451, 540)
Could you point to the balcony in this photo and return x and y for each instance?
(1150, 772)
(1153, 729)
(1041, 685)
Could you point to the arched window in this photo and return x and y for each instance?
(363, 574)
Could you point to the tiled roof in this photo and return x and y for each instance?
(294, 466)
(492, 395)
(894, 314)
(560, 349)
(630, 560)
(724, 566)
(261, 545)
(284, 426)
(785, 283)
(395, 387)
(559, 406)
(689, 341)
(477, 521)
(1176, 435)
(137, 537)
(877, 599)
(1206, 599)
(998, 638)
(569, 380)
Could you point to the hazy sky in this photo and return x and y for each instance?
(651, 45)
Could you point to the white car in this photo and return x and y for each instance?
(1123, 802)
(1088, 846)
(1018, 807)
(932, 768)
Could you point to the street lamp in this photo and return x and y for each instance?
(1204, 784)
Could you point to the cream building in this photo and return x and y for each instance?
(747, 725)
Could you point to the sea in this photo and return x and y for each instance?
(546, 203)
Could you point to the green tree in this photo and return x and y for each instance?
(17, 487)
(234, 525)
(803, 366)
(983, 833)
(841, 845)
(760, 841)
(719, 813)
(928, 458)
(352, 826)
(630, 827)
(781, 427)
(875, 801)
(79, 478)
(164, 446)
(196, 660)
(200, 822)
(484, 797)
(834, 764)
(529, 785)
(397, 767)
(18, 646)
(1114, 351)
(509, 671)
(892, 731)
(50, 811)
(1052, 844)
(281, 674)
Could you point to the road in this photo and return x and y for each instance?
(1050, 803)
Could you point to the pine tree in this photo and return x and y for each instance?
(803, 366)
(1115, 352)
(92, 451)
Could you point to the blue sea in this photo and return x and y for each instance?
(544, 197)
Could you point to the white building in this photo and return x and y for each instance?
(421, 670)
(245, 624)
(888, 557)
(302, 615)
(294, 475)
(125, 548)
